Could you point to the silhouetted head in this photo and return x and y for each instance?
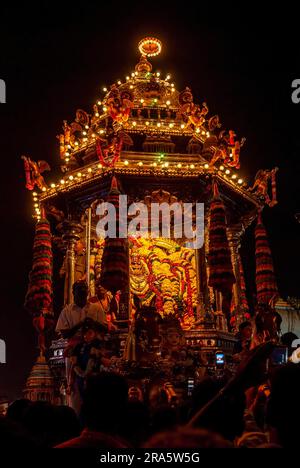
(16, 410)
(164, 417)
(67, 424)
(135, 426)
(39, 420)
(80, 293)
(104, 402)
(287, 339)
(283, 409)
(13, 436)
(226, 415)
(246, 330)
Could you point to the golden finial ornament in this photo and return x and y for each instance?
(150, 46)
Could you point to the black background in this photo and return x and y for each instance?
(240, 58)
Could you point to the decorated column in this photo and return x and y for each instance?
(115, 261)
(239, 299)
(72, 231)
(221, 276)
(38, 302)
(266, 285)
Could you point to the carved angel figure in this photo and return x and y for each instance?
(197, 115)
(33, 171)
(220, 153)
(261, 185)
(213, 123)
(233, 147)
(193, 113)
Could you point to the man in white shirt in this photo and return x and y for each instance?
(74, 314)
(70, 320)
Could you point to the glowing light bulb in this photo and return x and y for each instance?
(99, 166)
(83, 133)
(101, 131)
(99, 103)
(36, 205)
(166, 164)
(127, 78)
(182, 126)
(104, 108)
(197, 130)
(142, 100)
(227, 171)
(172, 84)
(171, 125)
(140, 163)
(134, 124)
(234, 176)
(62, 181)
(158, 124)
(71, 177)
(52, 185)
(155, 100)
(154, 164)
(240, 181)
(158, 74)
(67, 160)
(131, 86)
(87, 127)
(168, 103)
(222, 168)
(104, 89)
(126, 162)
(192, 166)
(97, 114)
(147, 123)
(34, 194)
(79, 174)
(119, 82)
(179, 165)
(89, 169)
(168, 77)
(206, 166)
(76, 143)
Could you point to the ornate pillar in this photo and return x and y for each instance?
(234, 238)
(71, 235)
(88, 244)
(205, 317)
(202, 288)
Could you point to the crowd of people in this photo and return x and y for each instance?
(257, 407)
(251, 410)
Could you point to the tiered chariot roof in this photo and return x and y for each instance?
(145, 127)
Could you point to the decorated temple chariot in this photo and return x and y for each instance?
(158, 305)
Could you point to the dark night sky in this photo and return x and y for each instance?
(56, 58)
